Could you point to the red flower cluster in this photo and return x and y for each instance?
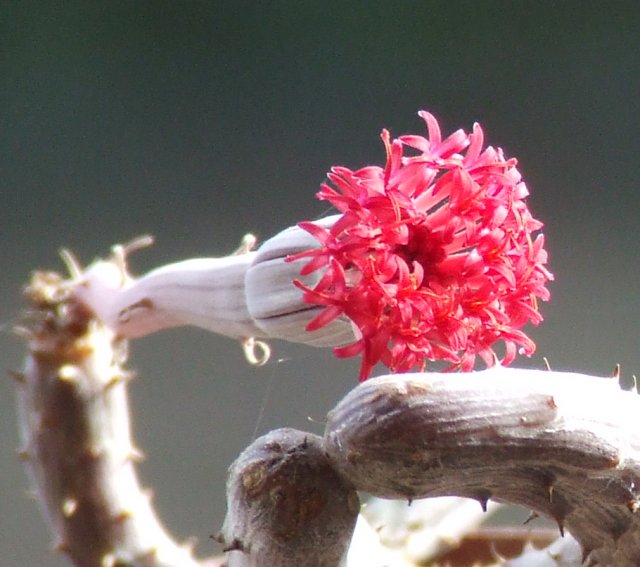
(433, 257)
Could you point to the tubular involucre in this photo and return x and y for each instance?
(246, 295)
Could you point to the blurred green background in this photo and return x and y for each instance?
(199, 121)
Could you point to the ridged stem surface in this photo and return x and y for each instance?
(564, 445)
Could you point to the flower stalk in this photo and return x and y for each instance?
(203, 292)
(248, 295)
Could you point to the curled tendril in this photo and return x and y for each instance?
(256, 352)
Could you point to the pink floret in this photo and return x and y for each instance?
(434, 256)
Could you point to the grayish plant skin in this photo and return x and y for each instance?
(287, 505)
(74, 417)
(564, 445)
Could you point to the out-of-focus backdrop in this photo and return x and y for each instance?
(200, 121)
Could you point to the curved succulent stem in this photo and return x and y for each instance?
(565, 445)
(74, 417)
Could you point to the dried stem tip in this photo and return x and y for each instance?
(286, 505)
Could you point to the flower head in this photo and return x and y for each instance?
(433, 257)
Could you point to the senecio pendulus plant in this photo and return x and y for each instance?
(433, 258)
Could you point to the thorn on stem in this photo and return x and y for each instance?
(122, 517)
(616, 372)
(61, 547)
(119, 378)
(550, 493)
(633, 505)
(247, 244)
(483, 504)
(68, 373)
(483, 496)
(73, 265)
(235, 545)
(135, 455)
(189, 545)
(69, 507)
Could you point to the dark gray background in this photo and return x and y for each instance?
(200, 121)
